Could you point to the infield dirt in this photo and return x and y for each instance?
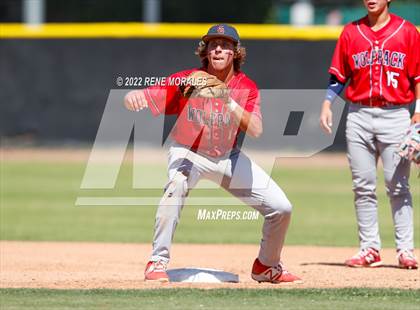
(74, 265)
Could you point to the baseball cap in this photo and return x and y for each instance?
(222, 31)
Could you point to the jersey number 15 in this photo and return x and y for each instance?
(392, 78)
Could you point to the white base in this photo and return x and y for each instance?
(202, 275)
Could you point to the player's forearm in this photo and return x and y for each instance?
(326, 104)
(247, 122)
(335, 87)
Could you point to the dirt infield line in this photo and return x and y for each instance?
(71, 265)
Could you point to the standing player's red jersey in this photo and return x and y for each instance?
(382, 65)
(204, 124)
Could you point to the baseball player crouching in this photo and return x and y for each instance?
(379, 56)
(210, 117)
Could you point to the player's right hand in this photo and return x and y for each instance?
(135, 100)
(325, 119)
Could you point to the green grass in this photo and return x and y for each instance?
(211, 299)
(37, 203)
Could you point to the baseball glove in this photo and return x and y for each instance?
(205, 85)
(410, 147)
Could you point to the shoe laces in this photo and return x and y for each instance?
(406, 254)
(364, 252)
(159, 266)
(281, 269)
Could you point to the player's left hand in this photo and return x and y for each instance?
(416, 118)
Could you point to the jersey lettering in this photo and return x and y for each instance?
(210, 119)
(379, 57)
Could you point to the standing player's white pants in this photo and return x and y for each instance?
(237, 174)
(373, 133)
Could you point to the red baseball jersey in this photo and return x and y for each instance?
(381, 65)
(203, 124)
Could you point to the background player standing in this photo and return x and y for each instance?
(379, 56)
(205, 146)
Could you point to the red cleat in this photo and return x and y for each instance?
(275, 274)
(156, 271)
(407, 260)
(365, 258)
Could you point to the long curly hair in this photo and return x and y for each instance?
(238, 56)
